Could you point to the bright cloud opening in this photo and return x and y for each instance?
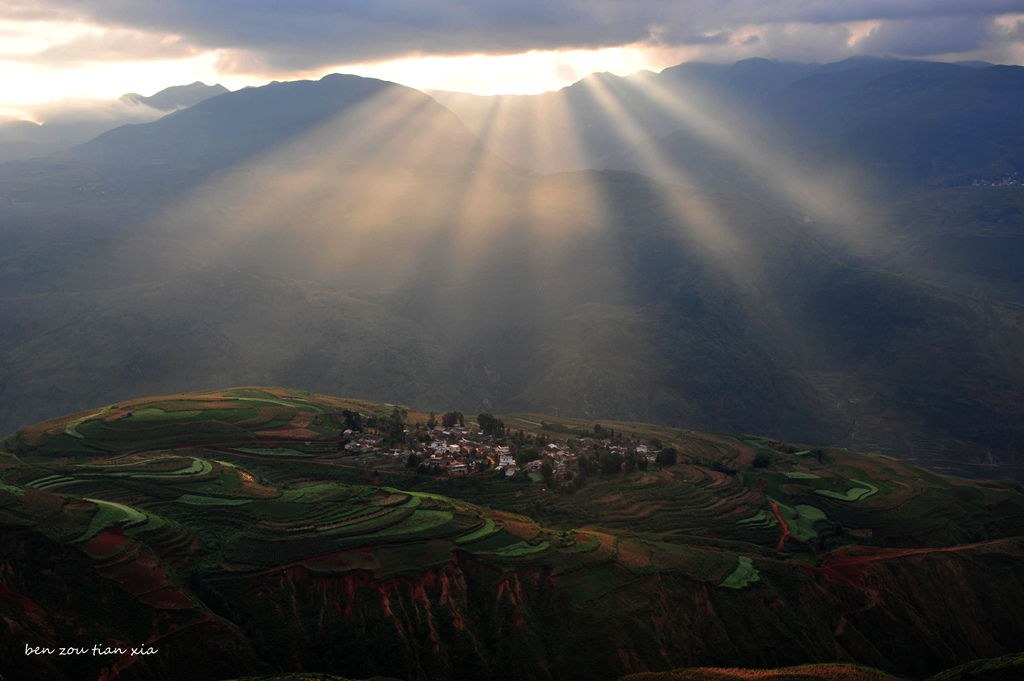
(520, 74)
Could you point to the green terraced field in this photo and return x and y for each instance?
(745, 574)
(110, 513)
(161, 496)
(486, 530)
(854, 494)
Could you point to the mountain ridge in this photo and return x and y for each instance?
(176, 96)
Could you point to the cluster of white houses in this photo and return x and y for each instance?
(460, 451)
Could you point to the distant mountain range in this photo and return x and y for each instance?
(351, 235)
(66, 125)
(177, 96)
(905, 123)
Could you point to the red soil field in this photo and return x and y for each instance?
(106, 544)
(303, 419)
(140, 575)
(343, 560)
(289, 431)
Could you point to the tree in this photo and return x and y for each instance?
(547, 471)
(413, 461)
(353, 419)
(641, 463)
(630, 463)
(667, 457)
(611, 463)
(528, 454)
(431, 422)
(762, 460)
(450, 418)
(394, 428)
(490, 424)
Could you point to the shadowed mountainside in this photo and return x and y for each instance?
(910, 123)
(351, 235)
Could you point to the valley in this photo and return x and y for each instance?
(662, 377)
(352, 236)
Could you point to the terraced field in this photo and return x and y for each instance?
(187, 509)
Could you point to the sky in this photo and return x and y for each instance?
(54, 51)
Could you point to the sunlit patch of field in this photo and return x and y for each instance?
(289, 432)
(744, 574)
(482, 532)
(522, 530)
(606, 547)
(633, 554)
(109, 513)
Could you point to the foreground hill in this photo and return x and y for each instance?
(256, 531)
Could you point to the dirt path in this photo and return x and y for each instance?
(785, 527)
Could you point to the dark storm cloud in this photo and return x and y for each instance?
(929, 36)
(683, 36)
(306, 34)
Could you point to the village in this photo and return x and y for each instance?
(453, 449)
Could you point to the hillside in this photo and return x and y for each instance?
(60, 127)
(900, 122)
(255, 531)
(177, 96)
(352, 236)
(239, 126)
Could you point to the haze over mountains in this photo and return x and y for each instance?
(64, 125)
(903, 123)
(817, 253)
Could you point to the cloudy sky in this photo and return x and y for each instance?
(68, 49)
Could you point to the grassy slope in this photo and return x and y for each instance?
(620, 545)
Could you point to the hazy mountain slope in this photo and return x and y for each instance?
(177, 96)
(639, 319)
(603, 294)
(898, 122)
(968, 238)
(61, 126)
(241, 125)
(208, 327)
